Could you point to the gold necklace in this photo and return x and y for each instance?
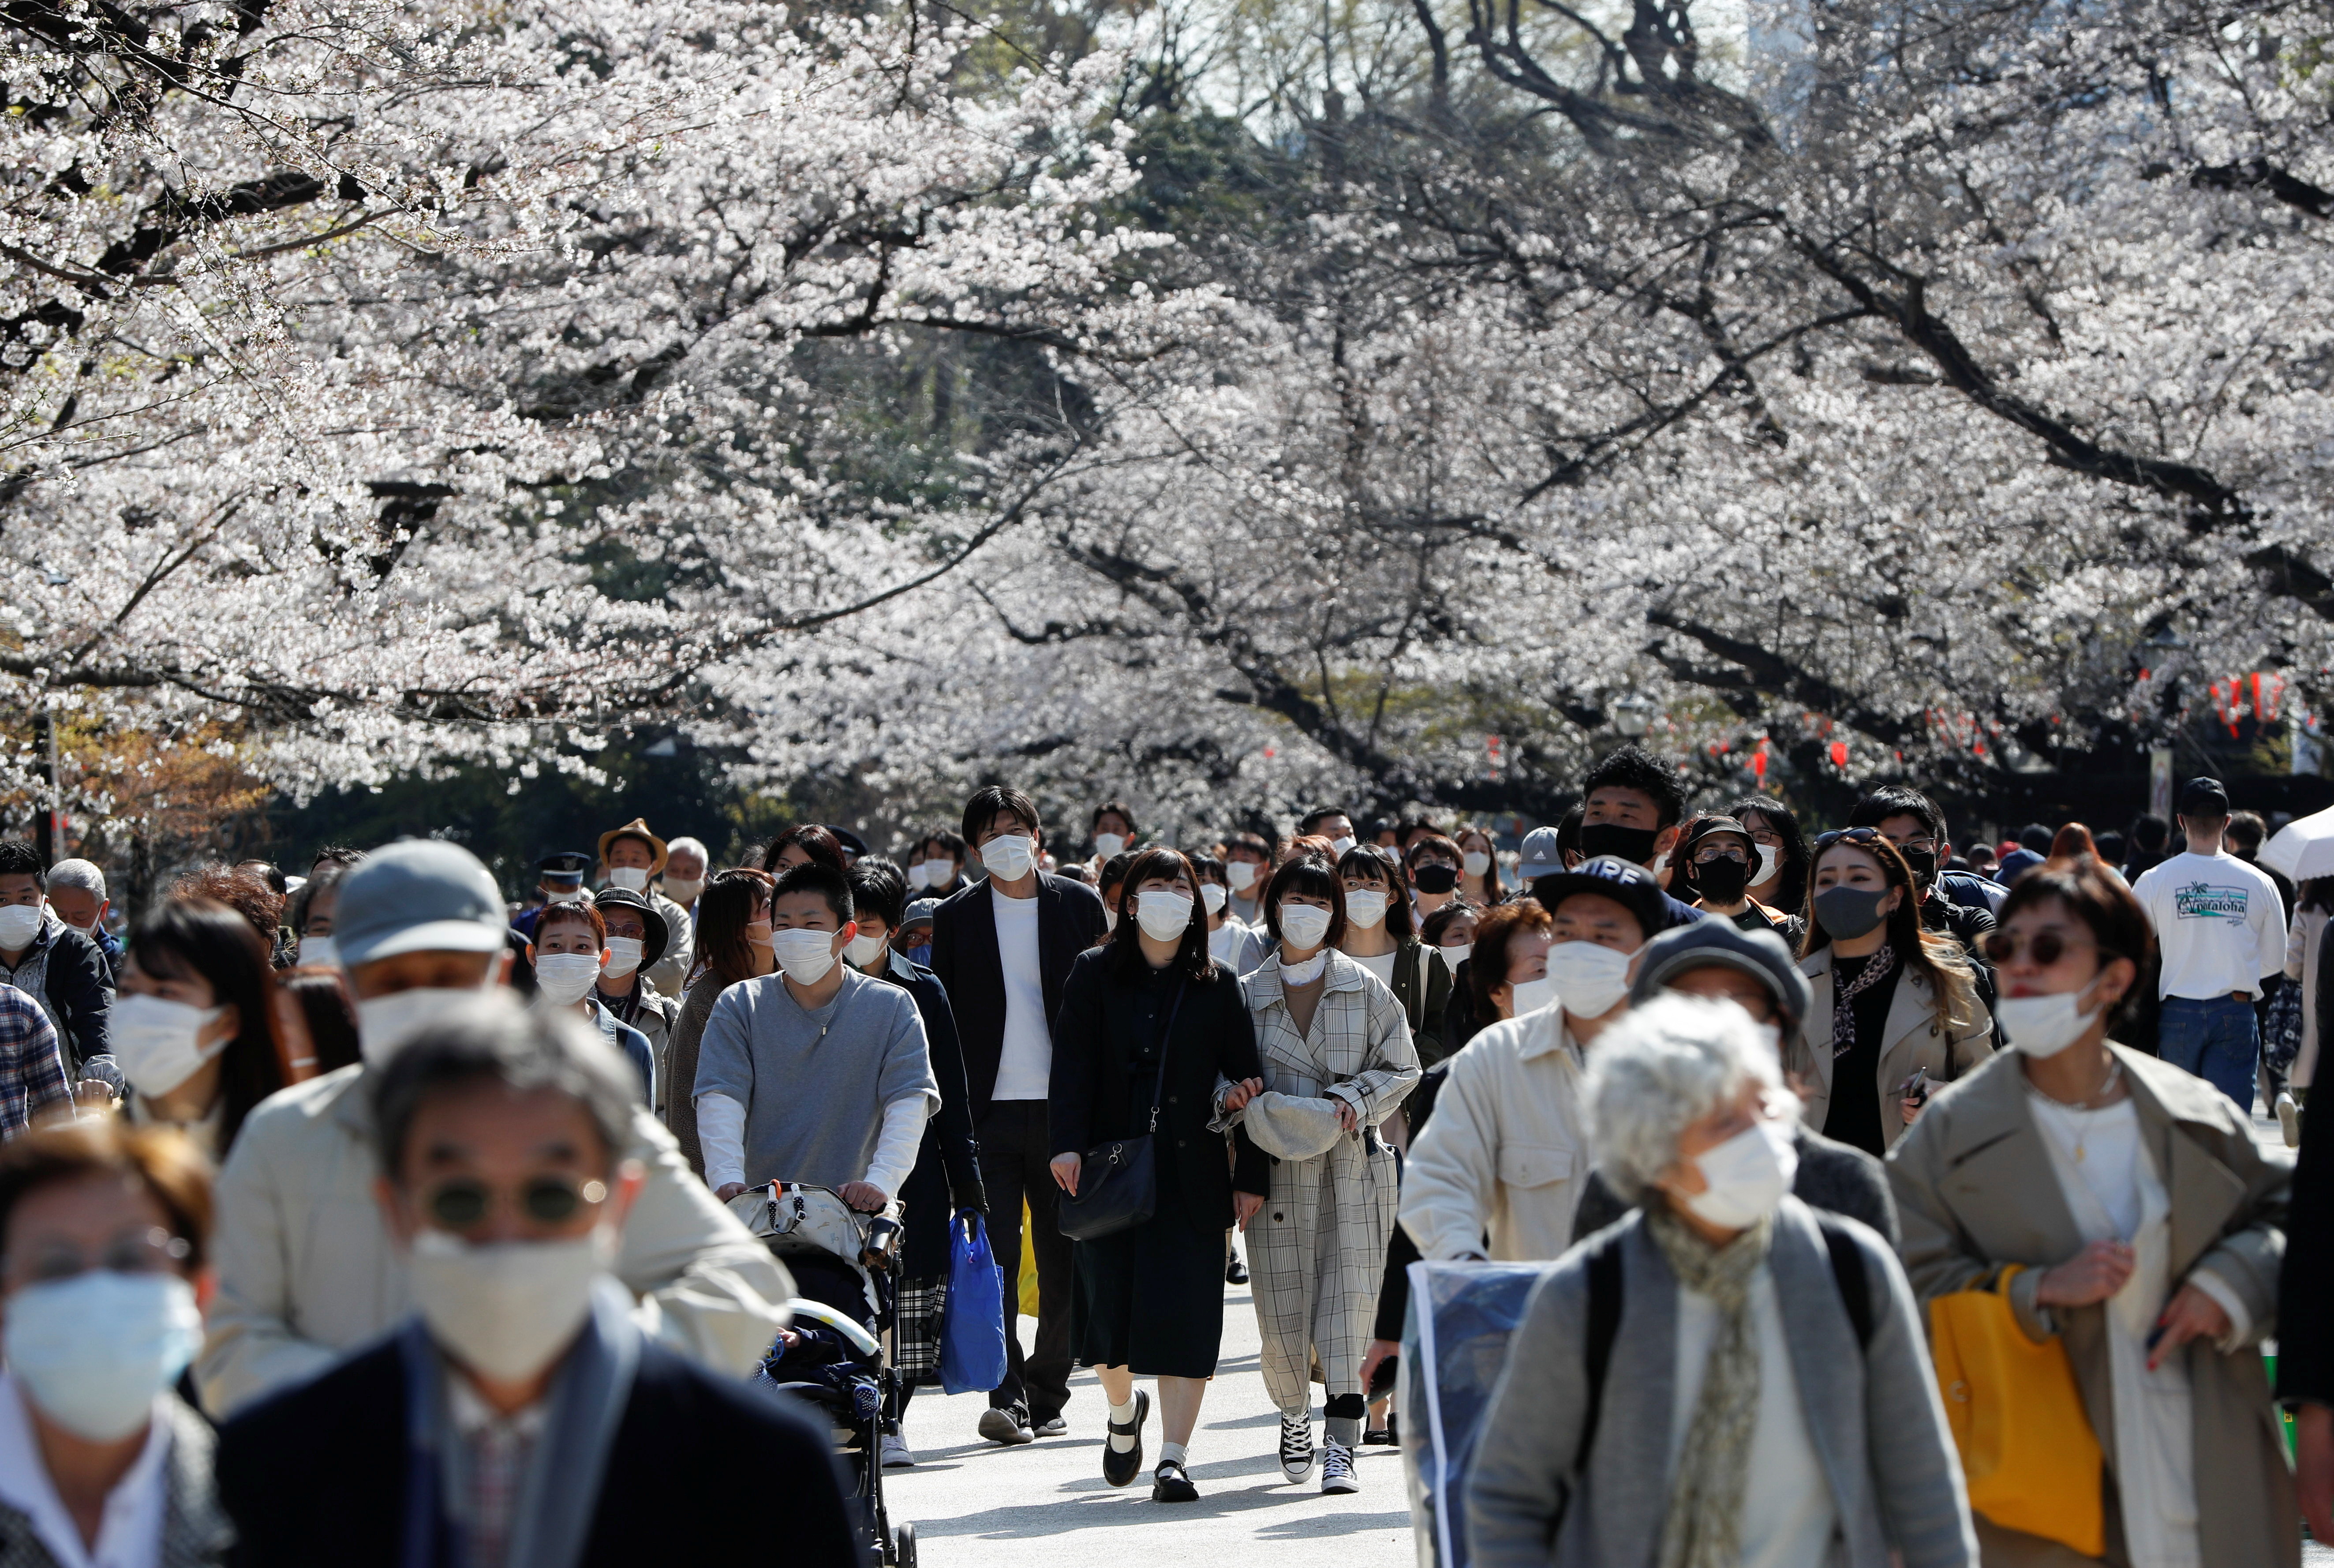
(2095, 1101)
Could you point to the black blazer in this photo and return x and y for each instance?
(2305, 1359)
(964, 958)
(947, 1177)
(702, 1469)
(1096, 1083)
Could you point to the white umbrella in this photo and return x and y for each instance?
(2302, 849)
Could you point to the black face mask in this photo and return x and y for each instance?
(1923, 863)
(1635, 845)
(1719, 881)
(1849, 911)
(1435, 878)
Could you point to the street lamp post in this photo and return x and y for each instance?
(1632, 716)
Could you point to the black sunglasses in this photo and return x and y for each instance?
(464, 1203)
(1848, 836)
(2047, 947)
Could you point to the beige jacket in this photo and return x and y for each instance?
(1913, 1039)
(1506, 1149)
(669, 972)
(1976, 1190)
(307, 1270)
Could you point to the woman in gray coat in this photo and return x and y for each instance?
(1761, 1393)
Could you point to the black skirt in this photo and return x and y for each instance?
(1152, 1299)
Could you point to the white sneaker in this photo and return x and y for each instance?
(1337, 1469)
(2288, 1120)
(897, 1455)
(1296, 1448)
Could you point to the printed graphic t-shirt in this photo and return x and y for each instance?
(2219, 922)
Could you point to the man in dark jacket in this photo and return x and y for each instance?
(490, 1425)
(1911, 821)
(59, 967)
(1002, 948)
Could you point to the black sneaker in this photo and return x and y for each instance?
(1296, 1448)
(1337, 1469)
(1236, 1272)
(1381, 1437)
(1119, 1467)
(1010, 1426)
(1169, 1483)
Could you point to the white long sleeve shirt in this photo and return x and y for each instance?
(721, 1134)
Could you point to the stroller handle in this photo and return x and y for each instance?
(826, 1317)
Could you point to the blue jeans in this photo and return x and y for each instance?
(2217, 1039)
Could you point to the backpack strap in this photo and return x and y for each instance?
(1604, 1327)
(1847, 1273)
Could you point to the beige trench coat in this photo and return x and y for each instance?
(1913, 1039)
(1976, 1190)
(1316, 1251)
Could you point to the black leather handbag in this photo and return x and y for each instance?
(1118, 1182)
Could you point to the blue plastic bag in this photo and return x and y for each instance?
(972, 1324)
(1454, 1343)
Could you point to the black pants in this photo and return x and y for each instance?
(1014, 1154)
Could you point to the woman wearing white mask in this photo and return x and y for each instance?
(1895, 1011)
(1338, 1062)
(2125, 1207)
(195, 1026)
(638, 936)
(1479, 867)
(1449, 932)
(733, 944)
(101, 1251)
(1779, 878)
(1382, 936)
(569, 951)
(1112, 831)
(1797, 1418)
(1239, 948)
(1153, 1037)
(310, 915)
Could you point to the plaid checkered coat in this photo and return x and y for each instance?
(1316, 1252)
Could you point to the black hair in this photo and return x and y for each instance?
(2150, 833)
(2110, 846)
(2036, 838)
(1254, 842)
(1634, 768)
(197, 939)
(335, 855)
(1793, 865)
(1124, 961)
(1113, 872)
(1378, 864)
(1409, 825)
(991, 798)
(1431, 931)
(1313, 875)
(1319, 815)
(1493, 888)
(824, 880)
(267, 871)
(18, 858)
(323, 998)
(1206, 867)
(1568, 827)
(295, 914)
(1119, 806)
(947, 838)
(1896, 801)
(880, 888)
(819, 843)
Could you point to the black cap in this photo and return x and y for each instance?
(1699, 944)
(1624, 882)
(853, 845)
(568, 866)
(2204, 798)
(658, 937)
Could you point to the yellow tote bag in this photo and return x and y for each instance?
(2027, 1451)
(1026, 1285)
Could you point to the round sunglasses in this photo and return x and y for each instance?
(464, 1203)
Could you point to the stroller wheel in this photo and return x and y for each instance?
(904, 1547)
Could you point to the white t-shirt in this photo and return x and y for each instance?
(1380, 965)
(1025, 1069)
(2219, 922)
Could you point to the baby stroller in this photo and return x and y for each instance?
(833, 1357)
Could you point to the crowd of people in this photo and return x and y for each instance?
(361, 1216)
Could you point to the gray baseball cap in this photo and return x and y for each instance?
(422, 896)
(1716, 940)
(1541, 857)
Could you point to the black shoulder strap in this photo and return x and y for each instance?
(1604, 1325)
(1847, 1273)
(1166, 1038)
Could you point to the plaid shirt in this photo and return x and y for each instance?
(31, 1068)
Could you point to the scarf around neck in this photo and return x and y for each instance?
(1877, 968)
(1703, 1528)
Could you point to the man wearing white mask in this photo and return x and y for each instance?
(1247, 867)
(1507, 1151)
(51, 962)
(520, 1417)
(1331, 823)
(77, 894)
(306, 1271)
(818, 1073)
(686, 863)
(568, 953)
(1002, 949)
(630, 858)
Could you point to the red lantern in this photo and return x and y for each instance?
(1759, 762)
(1839, 753)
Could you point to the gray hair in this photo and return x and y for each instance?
(688, 846)
(84, 875)
(1658, 1071)
(498, 1039)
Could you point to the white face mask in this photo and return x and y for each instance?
(572, 895)
(625, 953)
(1590, 977)
(155, 1041)
(1213, 895)
(917, 879)
(1341, 846)
(506, 1308)
(1109, 844)
(1475, 862)
(1529, 995)
(1009, 856)
(1303, 926)
(805, 955)
(1109, 918)
(2038, 1026)
(1366, 907)
(564, 977)
(1748, 1175)
(1455, 953)
(1240, 873)
(1163, 916)
(1769, 859)
(683, 889)
(320, 950)
(939, 874)
(386, 1022)
(1661, 863)
(861, 949)
(632, 878)
(93, 1351)
(19, 923)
